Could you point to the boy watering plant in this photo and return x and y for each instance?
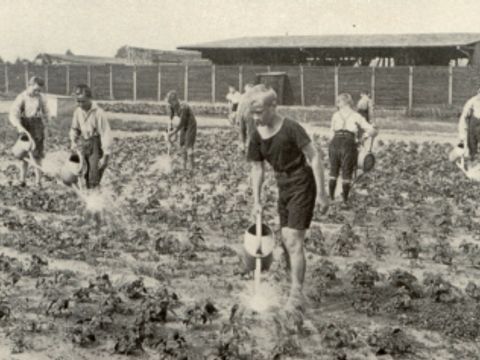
(343, 149)
(469, 127)
(233, 98)
(365, 106)
(187, 128)
(29, 114)
(90, 134)
(299, 173)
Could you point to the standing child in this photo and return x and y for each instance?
(299, 172)
(187, 128)
(29, 114)
(90, 133)
(233, 98)
(343, 149)
(365, 106)
(469, 126)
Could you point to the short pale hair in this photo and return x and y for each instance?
(347, 98)
(260, 95)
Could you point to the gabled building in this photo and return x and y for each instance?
(64, 59)
(349, 50)
(143, 56)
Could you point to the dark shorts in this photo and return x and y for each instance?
(36, 129)
(296, 198)
(365, 114)
(473, 135)
(343, 155)
(234, 107)
(188, 137)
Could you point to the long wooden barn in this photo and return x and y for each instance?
(350, 50)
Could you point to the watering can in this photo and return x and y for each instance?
(258, 244)
(457, 153)
(23, 146)
(366, 159)
(72, 168)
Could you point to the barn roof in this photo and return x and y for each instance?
(80, 59)
(342, 41)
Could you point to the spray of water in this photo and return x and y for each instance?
(265, 298)
(162, 164)
(474, 173)
(96, 200)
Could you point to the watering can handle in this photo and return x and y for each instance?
(371, 144)
(258, 230)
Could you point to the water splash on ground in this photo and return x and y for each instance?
(162, 164)
(97, 200)
(265, 299)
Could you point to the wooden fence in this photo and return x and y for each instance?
(308, 85)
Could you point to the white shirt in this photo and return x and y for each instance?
(472, 107)
(89, 123)
(351, 121)
(28, 105)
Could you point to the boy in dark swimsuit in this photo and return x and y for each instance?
(286, 146)
(187, 127)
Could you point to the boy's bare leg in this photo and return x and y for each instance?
(185, 158)
(294, 240)
(23, 172)
(38, 177)
(38, 173)
(191, 158)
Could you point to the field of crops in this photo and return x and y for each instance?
(397, 276)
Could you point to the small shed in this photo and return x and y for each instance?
(279, 82)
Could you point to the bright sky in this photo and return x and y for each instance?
(100, 27)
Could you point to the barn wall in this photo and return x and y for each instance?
(430, 86)
(476, 55)
(78, 74)
(173, 78)
(200, 83)
(319, 85)
(391, 86)
(122, 82)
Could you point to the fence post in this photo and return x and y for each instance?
(302, 86)
(185, 85)
(110, 81)
(410, 88)
(67, 79)
(450, 85)
(7, 84)
(240, 78)
(213, 83)
(89, 76)
(372, 85)
(26, 75)
(335, 79)
(269, 68)
(46, 78)
(134, 82)
(159, 83)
